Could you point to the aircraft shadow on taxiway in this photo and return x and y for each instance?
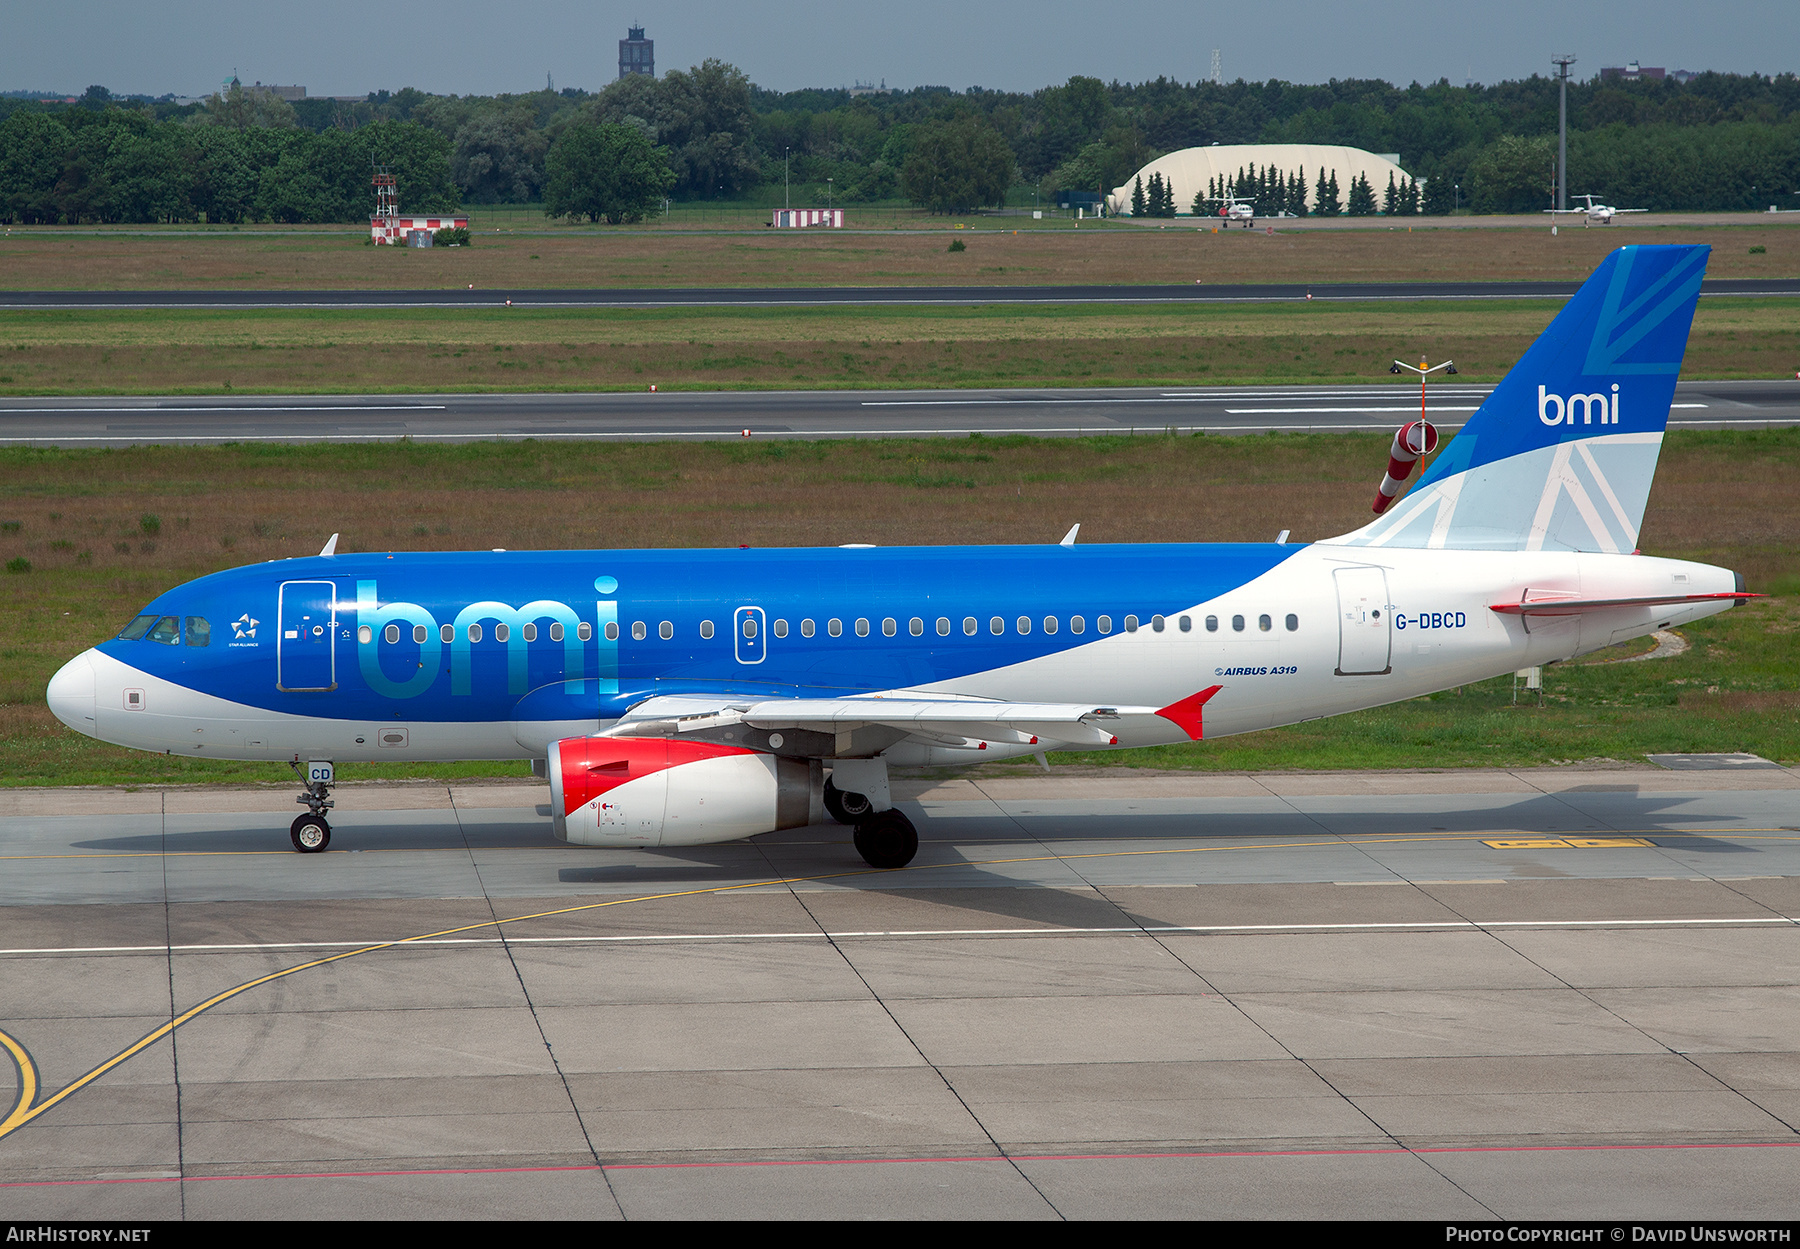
(1596, 810)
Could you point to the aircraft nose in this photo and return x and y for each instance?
(71, 694)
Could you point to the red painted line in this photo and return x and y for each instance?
(842, 1162)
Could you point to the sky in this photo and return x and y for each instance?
(464, 47)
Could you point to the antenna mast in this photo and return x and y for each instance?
(1562, 131)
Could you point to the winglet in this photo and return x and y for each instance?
(330, 547)
(1069, 537)
(1185, 715)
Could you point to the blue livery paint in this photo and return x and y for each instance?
(389, 656)
(1627, 325)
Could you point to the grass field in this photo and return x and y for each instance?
(518, 349)
(1116, 253)
(105, 531)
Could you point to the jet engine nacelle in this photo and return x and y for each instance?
(662, 791)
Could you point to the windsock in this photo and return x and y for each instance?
(1414, 439)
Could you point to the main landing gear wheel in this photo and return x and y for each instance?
(844, 807)
(886, 839)
(311, 834)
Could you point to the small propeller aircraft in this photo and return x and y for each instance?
(1595, 212)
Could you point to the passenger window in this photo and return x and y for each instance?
(835, 627)
(638, 631)
(197, 631)
(1212, 624)
(970, 625)
(943, 626)
(611, 631)
(1131, 624)
(1104, 624)
(420, 634)
(889, 628)
(665, 630)
(706, 629)
(1264, 623)
(166, 630)
(446, 632)
(474, 633)
(781, 628)
(530, 633)
(502, 632)
(364, 635)
(1237, 624)
(1049, 624)
(1293, 623)
(1023, 625)
(806, 628)
(996, 626)
(135, 631)
(862, 627)
(556, 631)
(392, 633)
(1186, 623)
(916, 627)
(1077, 625)
(749, 626)
(584, 631)
(1156, 623)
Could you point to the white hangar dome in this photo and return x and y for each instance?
(1190, 170)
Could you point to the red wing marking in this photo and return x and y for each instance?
(1185, 715)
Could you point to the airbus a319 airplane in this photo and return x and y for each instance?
(681, 697)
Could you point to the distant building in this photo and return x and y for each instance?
(1192, 171)
(289, 94)
(1631, 71)
(637, 55)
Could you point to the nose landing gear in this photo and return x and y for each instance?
(311, 832)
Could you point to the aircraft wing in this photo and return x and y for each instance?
(934, 720)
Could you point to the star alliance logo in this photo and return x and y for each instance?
(244, 627)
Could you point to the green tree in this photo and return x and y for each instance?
(1362, 198)
(605, 173)
(1139, 205)
(958, 164)
(33, 150)
(1513, 175)
(1439, 197)
(1325, 201)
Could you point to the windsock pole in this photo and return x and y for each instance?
(1414, 439)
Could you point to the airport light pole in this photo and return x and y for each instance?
(1562, 131)
(784, 176)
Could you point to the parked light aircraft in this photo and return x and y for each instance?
(1595, 212)
(691, 696)
(1235, 209)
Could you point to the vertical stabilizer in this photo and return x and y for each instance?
(1561, 455)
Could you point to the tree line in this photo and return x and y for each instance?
(1718, 141)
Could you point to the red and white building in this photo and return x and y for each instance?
(800, 218)
(393, 230)
(388, 227)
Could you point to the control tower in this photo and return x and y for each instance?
(637, 55)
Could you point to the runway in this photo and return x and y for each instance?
(851, 296)
(114, 422)
(1539, 994)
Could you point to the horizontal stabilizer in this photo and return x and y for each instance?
(1577, 607)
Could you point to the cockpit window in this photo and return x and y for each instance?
(198, 632)
(166, 630)
(136, 629)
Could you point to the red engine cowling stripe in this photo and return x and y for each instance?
(593, 765)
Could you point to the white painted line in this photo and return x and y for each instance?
(145, 411)
(1297, 411)
(1411, 926)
